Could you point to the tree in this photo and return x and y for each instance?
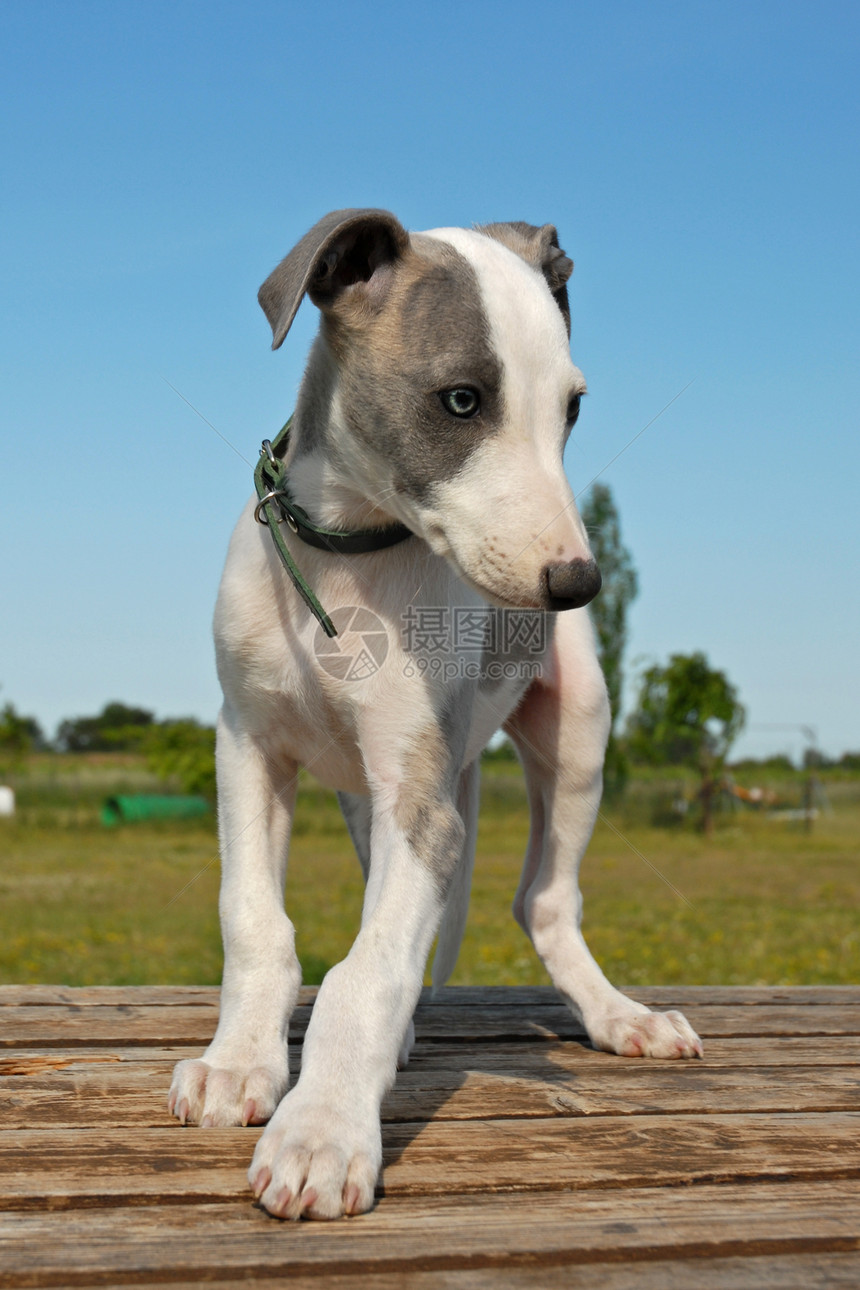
(687, 714)
(609, 610)
(117, 728)
(18, 735)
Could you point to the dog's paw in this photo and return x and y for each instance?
(314, 1162)
(646, 1034)
(209, 1095)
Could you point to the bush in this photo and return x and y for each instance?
(184, 751)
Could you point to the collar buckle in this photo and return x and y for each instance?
(276, 506)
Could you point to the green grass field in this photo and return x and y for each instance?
(760, 902)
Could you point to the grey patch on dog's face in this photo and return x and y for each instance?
(431, 335)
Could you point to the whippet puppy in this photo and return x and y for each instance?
(430, 425)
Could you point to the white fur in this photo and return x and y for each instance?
(411, 775)
(527, 514)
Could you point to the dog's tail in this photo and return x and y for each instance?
(453, 921)
(457, 903)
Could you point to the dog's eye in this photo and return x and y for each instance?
(462, 402)
(573, 410)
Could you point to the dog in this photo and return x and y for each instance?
(433, 413)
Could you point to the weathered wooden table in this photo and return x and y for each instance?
(514, 1154)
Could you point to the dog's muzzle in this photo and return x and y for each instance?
(570, 586)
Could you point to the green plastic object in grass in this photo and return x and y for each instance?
(132, 807)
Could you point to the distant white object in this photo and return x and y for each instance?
(7, 800)
(799, 813)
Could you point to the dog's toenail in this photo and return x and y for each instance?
(281, 1203)
(351, 1199)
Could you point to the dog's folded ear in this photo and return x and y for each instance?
(344, 249)
(538, 247)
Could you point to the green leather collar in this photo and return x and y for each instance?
(276, 506)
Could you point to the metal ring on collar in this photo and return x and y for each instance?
(259, 513)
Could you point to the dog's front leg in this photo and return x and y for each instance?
(321, 1154)
(560, 732)
(244, 1074)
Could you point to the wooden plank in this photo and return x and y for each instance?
(469, 1156)
(660, 996)
(589, 1230)
(520, 1093)
(126, 1023)
(115, 996)
(575, 1055)
(549, 1058)
(803, 1272)
(769, 1050)
(570, 1158)
(184, 996)
(92, 1087)
(557, 1022)
(70, 1165)
(711, 1272)
(655, 996)
(70, 1025)
(109, 1093)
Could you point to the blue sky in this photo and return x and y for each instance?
(700, 163)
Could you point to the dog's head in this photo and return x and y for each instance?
(447, 391)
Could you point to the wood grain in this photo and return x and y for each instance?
(65, 1024)
(722, 1052)
(467, 1157)
(710, 1272)
(437, 1233)
(659, 996)
(103, 1091)
(515, 1155)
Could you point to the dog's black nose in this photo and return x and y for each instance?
(570, 586)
